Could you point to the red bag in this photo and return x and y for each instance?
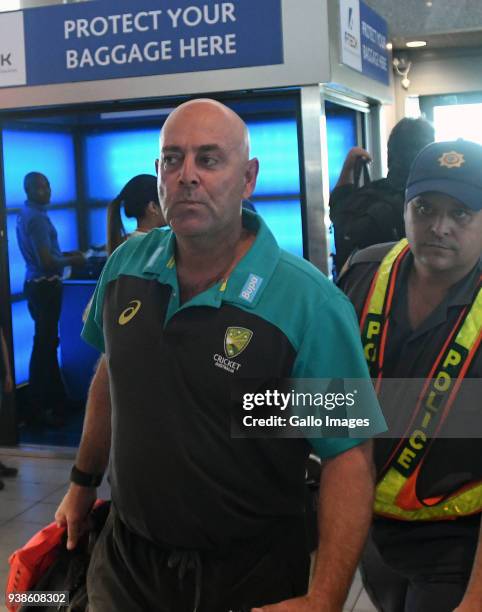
(29, 563)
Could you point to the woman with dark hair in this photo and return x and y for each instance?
(141, 201)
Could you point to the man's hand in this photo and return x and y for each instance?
(354, 154)
(73, 512)
(76, 258)
(307, 603)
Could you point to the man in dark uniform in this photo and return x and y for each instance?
(39, 245)
(200, 520)
(420, 309)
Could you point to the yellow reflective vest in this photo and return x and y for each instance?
(396, 491)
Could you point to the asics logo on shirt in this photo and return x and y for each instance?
(130, 312)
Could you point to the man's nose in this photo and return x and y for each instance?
(441, 225)
(188, 174)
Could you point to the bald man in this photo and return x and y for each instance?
(199, 520)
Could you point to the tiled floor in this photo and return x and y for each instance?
(28, 503)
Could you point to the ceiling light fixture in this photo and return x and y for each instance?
(416, 43)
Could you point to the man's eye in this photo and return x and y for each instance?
(169, 160)
(423, 209)
(461, 214)
(209, 161)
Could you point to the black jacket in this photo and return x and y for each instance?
(363, 216)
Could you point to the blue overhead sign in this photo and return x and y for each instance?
(364, 38)
(111, 39)
(374, 39)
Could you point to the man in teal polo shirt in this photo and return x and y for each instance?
(200, 520)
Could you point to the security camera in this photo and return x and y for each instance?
(401, 64)
(402, 67)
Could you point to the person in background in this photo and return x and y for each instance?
(141, 201)
(6, 386)
(420, 307)
(373, 214)
(39, 245)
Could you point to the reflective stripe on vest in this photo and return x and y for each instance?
(396, 492)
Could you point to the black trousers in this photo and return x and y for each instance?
(130, 574)
(415, 566)
(44, 299)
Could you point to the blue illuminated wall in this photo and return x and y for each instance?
(342, 136)
(283, 217)
(275, 144)
(50, 153)
(113, 158)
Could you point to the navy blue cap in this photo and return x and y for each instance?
(453, 168)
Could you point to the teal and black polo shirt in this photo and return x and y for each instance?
(177, 476)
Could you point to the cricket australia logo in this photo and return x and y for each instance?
(236, 340)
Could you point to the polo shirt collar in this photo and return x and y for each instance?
(162, 261)
(247, 281)
(253, 272)
(462, 293)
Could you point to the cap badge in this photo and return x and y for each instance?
(452, 159)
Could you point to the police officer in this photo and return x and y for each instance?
(420, 308)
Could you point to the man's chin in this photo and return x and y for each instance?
(189, 228)
(438, 262)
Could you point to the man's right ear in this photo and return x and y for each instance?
(156, 164)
